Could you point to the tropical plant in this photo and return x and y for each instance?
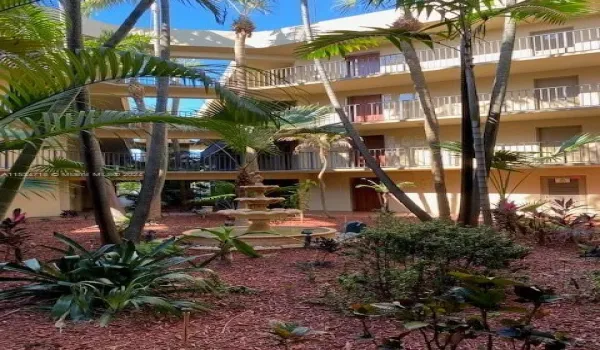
(300, 197)
(442, 326)
(113, 278)
(351, 131)
(323, 144)
(402, 259)
(288, 332)
(228, 239)
(12, 236)
(383, 193)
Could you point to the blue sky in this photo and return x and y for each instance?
(284, 13)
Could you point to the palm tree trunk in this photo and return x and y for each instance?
(492, 124)
(432, 128)
(90, 145)
(354, 135)
(465, 216)
(240, 78)
(11, 184)
(156, 166)
(128, 23)
(473, 100)
(321, 179)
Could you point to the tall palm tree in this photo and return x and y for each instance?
(352, 133)
(243, 26)
(323, 144)
(431, 126)
(155, 171)
(90, 145)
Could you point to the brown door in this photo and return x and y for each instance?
(366, 108)
(364, 199)
(363, 65)
(376, 145)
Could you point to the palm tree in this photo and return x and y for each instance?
(323, 143)
(325, 47)
(383, 193)
(351, 131)
(243, 26)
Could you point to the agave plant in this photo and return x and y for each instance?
(109, 280)
(228, 239)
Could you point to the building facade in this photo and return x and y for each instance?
(553, 95)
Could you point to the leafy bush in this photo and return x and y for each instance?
(440, 326)
(559, 220)
(401, 259)
(12, 236)
(82, 284)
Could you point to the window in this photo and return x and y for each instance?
(564, 187)
(552, 41)
(363, 65)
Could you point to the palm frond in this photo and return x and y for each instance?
(135, 42)
(36, 84)
(213, 6)
(30, 28)
(340, 43)
(53, 125)
(6, 5)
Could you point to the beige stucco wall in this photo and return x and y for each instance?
(48, 203)
(339, 193)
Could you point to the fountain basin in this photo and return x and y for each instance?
(284, 236)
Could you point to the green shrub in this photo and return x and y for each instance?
(401, 259)
(82, 284)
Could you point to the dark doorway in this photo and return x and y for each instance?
(366, 108)
(364, 199)
(376, 145)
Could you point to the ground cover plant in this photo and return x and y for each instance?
(84, 284)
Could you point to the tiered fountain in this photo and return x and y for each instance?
(260, 232)
(257, 207)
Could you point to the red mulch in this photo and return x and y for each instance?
(240, 321)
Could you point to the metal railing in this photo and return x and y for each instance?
(408, 156)
(539, 45)
(517, 101)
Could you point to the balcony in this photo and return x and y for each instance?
(534, 46)
(518, 101)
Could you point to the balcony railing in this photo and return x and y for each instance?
(541, 99)
(541, 45)
(397, 157)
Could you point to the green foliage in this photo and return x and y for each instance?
(441, 326)
(148, 248)
(108, 280)
(228, 239)
(12, 237)
(300, 197)
(404, 259)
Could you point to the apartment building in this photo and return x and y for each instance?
(554, 94)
